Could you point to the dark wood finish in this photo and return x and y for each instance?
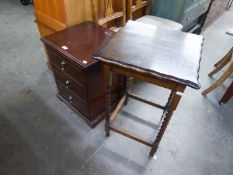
(56, 15)
(228, 94)
(143, 57)
(68, 84)
(78, 76)
(131, 135)
(72, 100)
(108, 87)
(64, 65)
(168, 111)
(171, 106)
(143, 44)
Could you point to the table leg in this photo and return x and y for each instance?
(228, 94)
(171, 106)
(108, 87)
(128, 87)
(220, 66)
(219, 81)
(227, 56)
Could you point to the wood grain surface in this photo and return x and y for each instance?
(167, 54)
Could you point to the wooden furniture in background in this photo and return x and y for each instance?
(139, 10)
(227, 59)
(216, 9)
(55, 15)
(78, 76)
(145, 58)
(112, 15)
(228, 94)
(190, 13)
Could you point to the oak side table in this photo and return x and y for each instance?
(167, 58)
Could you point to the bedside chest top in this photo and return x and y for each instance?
(80, 42)
(163, 53)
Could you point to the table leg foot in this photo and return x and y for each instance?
(152, 152)
(107, 129)
(161, 132)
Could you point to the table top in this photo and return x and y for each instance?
(164, 53)
(80, 41)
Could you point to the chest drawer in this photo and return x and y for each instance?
(71, 86)
(78, 76)
(62, 64)
(73, 101)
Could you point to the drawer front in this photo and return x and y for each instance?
(73, 101)
(66, 67)
(195, 11)
(71, 86)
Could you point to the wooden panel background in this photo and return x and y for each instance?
(50, 16)
(78, 11)
(55, 15)
(99, 6)
(52, 8)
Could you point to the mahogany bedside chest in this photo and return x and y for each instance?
(78, 76)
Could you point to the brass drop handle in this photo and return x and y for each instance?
(63, 65)
(70, 99)
(68, 84)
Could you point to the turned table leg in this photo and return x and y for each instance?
(108, 86)
(171, 106)
(128, 87)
